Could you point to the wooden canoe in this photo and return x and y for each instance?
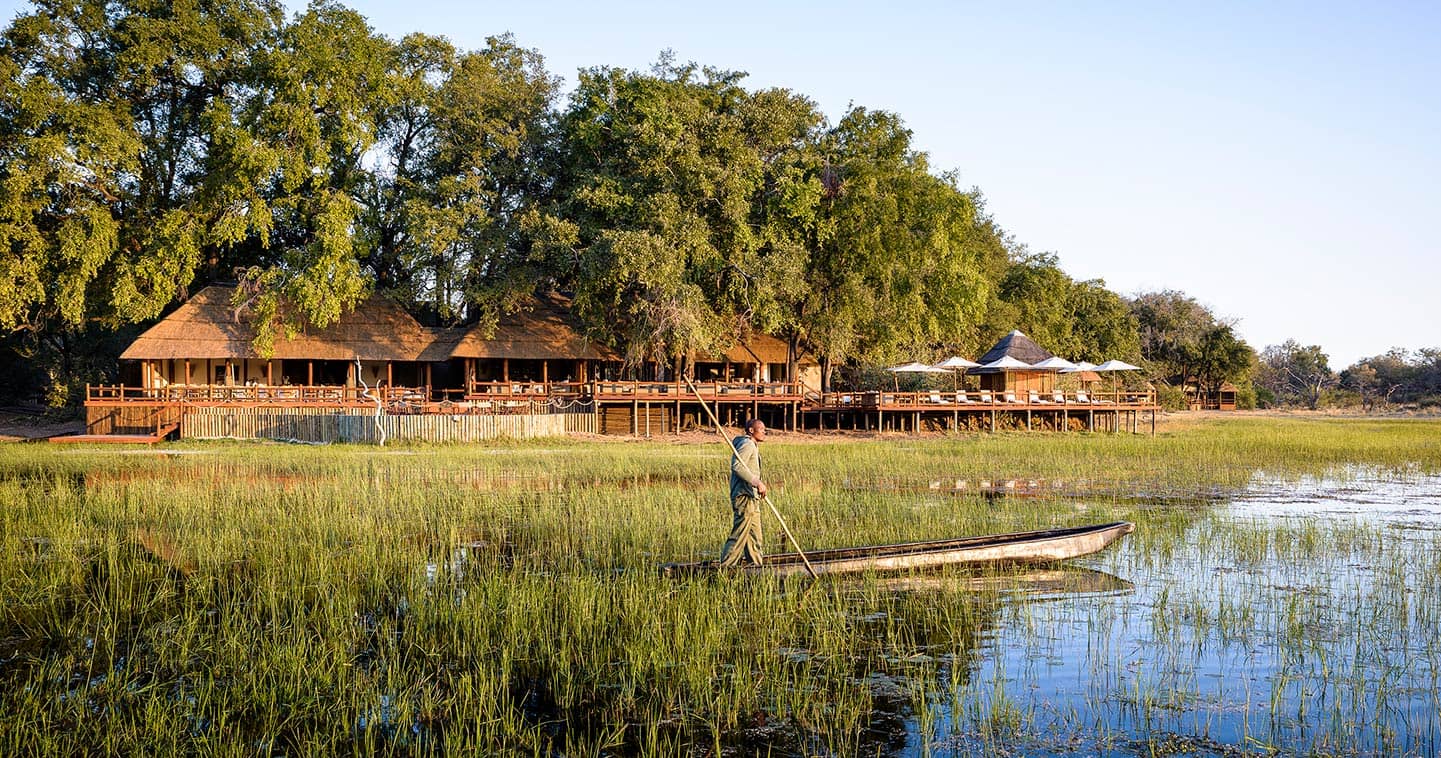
(1020, 547)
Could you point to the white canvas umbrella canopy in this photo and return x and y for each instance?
(1115, 365)
(1082, 366)
(956, 364)
(1005, 362)
(914, 368)
(1055, 363)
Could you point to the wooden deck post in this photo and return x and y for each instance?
(544, 371)
(187, 371)
(505, 369)
(269, 372)
(310, 373)
(389, 375)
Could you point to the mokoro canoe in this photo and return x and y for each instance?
(1019, 547)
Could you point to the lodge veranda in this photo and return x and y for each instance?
(378, 374)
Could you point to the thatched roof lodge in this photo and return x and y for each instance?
(206, 342)
(538, 343)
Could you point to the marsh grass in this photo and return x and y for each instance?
(268, 599)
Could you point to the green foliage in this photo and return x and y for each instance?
(1294, 374)
(1082, 321)
(1188, 345)
(685, 199)
(1397, 376)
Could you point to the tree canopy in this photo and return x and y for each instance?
(150, 148)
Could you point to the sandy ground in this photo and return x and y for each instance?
(20, 425)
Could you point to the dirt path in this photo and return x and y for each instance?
(22, 424)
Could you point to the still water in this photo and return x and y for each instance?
(1298, 618)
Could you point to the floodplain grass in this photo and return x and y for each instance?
(266, 599)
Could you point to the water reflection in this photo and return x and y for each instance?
(1367, 494)
(1300, 617)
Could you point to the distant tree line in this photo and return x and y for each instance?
(149, 148)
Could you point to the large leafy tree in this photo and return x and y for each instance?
(1078, 320)
(898, 257)
(672, 204)
(1186, 343)
(457, 173)
(1295, 374)
(111, 197)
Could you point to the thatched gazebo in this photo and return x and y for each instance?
(205, 342)
(1018, 347)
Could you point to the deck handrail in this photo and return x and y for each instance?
(255, 394)
(999, 399)
(627, 388)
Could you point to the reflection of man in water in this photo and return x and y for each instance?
(747, 490)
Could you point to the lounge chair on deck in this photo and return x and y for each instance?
(986, 397)
(936, 399)
(1010, 397)
(964, 397)
(1034, 398)
(1058, 397)
(1083, 397)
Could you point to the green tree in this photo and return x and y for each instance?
(898, 257)
(1295, 374)
(668, 192)
(457, 173)
(1077, 320)
(109, 195)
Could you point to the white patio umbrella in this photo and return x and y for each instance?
(1115, 365)
(1005, 362)
(914, 368)
(1079, 367)
(1054, 362)
(956, 364)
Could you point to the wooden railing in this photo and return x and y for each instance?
(282, 394)
(611, 390)
(947, 400)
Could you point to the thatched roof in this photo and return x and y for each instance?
(548, 330)
(757, 348)
(1015, 345)
(207, 327)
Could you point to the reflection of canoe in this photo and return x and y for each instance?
(1020, 547)
(1045, 582)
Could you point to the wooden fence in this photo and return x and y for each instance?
(262, 423)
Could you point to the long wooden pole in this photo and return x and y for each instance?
(721, 431)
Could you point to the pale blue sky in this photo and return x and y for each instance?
(1277, 161)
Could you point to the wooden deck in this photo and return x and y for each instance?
(639, 408)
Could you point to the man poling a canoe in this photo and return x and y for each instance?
(747, 491)
(758, 490)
